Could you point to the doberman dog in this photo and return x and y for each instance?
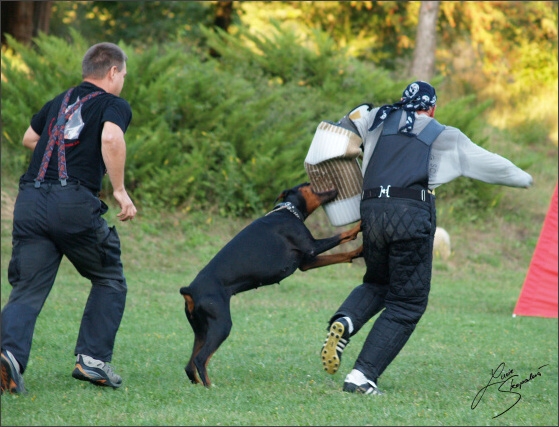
(266, 251)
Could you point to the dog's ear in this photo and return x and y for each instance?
(281, 196)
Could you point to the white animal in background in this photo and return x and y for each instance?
(441, 245)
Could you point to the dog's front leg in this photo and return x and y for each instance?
(324, 260)
(349, 235)
(322, 245)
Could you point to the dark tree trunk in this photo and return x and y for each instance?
(223, 17)
(24, 19)
(41, 17)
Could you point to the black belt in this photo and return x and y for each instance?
(55, 183)
(399, 192)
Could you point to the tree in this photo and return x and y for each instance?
(142, 24)
(223, 18)
(423, 65)
(24, 19)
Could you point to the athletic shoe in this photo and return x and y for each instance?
(334, 345)
(356, 382)
(96, 372)
(12, 380)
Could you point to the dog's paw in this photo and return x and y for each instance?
(358, 253)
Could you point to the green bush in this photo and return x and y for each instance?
(29, 79)
(224, 135)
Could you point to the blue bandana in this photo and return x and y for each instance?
(418, 95)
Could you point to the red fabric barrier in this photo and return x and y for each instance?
(538, 296)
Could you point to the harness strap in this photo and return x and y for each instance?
(57, 138)
(430, 132)
(427, 135)
(392, 123)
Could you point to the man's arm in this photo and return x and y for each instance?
(478, 163)
(30, 138)
(113, 149)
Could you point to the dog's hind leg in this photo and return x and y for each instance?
(218, 329)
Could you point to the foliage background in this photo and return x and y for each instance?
(212, 133)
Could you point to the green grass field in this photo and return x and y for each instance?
(268, 372)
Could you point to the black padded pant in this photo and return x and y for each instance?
(398, 251)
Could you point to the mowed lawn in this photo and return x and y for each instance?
(269, 372)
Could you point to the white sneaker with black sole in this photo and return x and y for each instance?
(357, 382)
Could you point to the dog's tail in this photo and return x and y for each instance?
(185, 292)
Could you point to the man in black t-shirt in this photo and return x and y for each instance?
(76, 138)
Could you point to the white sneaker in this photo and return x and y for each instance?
(357, 382)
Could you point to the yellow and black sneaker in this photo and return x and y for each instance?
(96, 372)
(334, 345)
(12, 380)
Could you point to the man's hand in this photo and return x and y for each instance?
(127, 208)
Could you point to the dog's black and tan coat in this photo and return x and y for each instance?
(268, 250)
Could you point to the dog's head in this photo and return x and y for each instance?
(305, 199)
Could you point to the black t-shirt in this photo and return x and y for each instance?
(84, 160)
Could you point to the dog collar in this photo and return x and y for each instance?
(289, 206)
